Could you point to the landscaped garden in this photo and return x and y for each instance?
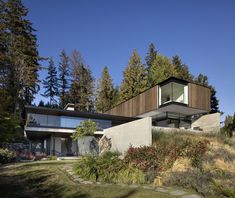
(50, 179)
(203, 163)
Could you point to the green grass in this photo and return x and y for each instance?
(48, 179)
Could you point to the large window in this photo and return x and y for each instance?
(173, 92)
(62, 121)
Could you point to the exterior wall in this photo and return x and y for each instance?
(136, 133)
(199, 97)
(208, 123)
(142, 103)
(57, 145)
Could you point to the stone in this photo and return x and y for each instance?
(191, 196)
(177, 192)
(148, 187)
(87, 182)
(159, 189)
(105, 144)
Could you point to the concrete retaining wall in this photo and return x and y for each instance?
(136, 133)
(208, 123)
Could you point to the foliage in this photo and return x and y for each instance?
(182, 70)
(202, 79)
(108, 168)
(18, 55)
(6, 156)
(10, 129)
(64, 74)
(229, 126)
(50, 83)
(150, 57)
(86, 128)
(135, 79)
(161, 69)
(214, 101)
(105, 95)
(81, 91)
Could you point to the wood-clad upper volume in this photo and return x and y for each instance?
(199, 97)
(142, 103)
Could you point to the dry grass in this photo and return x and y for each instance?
(217, 175)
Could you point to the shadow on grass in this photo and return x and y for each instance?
(35, 183)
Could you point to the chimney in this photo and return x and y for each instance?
(69, 107)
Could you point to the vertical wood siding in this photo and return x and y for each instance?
(142, 103)
(199, 97)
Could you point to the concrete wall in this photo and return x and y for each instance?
(208, 123)
(136, 133)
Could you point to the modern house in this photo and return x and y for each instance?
(49, 130)
(172, 103)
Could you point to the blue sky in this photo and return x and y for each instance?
(201, 32)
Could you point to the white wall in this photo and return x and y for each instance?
(136, 133)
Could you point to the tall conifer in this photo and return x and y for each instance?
(134, 78)
(105, 93)
(81, 91)
(50, 84)
(63, 78)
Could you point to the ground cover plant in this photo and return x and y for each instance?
(108, 168)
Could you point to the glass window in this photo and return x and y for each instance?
(173, 92)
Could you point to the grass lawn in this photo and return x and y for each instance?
(48, 179)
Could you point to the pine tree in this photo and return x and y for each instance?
(81, 91)
(214, 101)
(161, 69)
(151, 55)
(135, 78)
(202, 79)
(104, 100)
(182, 70)
(20, 60)
(50, 84)
(63, 78)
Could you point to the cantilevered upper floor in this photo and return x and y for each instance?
(170, 96)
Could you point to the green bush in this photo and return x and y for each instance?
(108, 168)
(86, 128)
(6, 156)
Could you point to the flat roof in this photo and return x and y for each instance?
(62, 112)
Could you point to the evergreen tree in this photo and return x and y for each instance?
(116, 96)
(81, 91)
(135, 79)
(151, 55)
(50, 83)
(182, 70)
(202, 79)
(63, 80)
(19, 55)
(161, 69)
(214, 101)
(41, 103)
(104, 100)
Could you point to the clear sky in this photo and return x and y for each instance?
(201, 32)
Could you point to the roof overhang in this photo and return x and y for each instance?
(174, 108)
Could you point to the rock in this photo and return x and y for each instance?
(177, 192)
(191, 196)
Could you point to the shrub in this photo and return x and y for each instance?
(108, 168)
(52, 157)
(6, 156)
(86, 128)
